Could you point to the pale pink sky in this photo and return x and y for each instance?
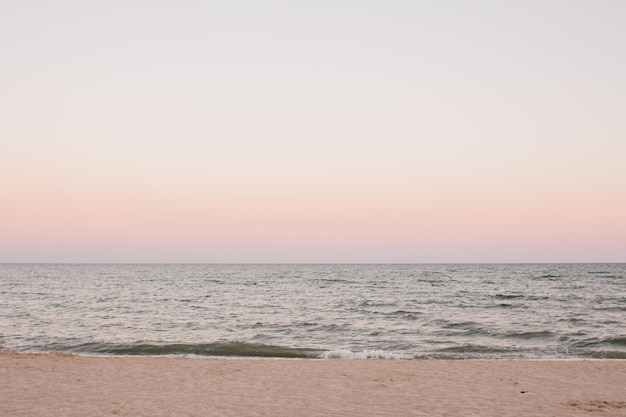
(327, 132)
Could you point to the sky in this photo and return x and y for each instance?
(312, 131)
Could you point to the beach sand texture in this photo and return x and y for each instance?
(58, 384)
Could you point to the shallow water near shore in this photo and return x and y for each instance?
(383, 311)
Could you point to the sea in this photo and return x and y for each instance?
(324, 311)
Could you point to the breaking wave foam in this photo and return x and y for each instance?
(364, 354)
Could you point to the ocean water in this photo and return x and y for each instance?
(473, 311)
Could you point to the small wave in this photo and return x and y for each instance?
(372, 303)
(404, 314)
(238, 349)
(597, 344)
(508, 296)
(333, 280)
(609, 308)
(541, 334)
(517, 306)
(619, 341)
(475, 351)
(470, 325)
(364, 354)
(606, 354)
(538, 297)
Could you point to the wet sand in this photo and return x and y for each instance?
(67, 385)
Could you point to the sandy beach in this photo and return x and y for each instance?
(66, 385)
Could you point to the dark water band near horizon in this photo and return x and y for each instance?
(380, 311)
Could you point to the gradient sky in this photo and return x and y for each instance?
(318, 131)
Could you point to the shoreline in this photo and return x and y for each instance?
(64, 384)
(313, 359)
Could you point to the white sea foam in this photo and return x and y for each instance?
(364, 354)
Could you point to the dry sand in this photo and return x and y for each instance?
(66, 385)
